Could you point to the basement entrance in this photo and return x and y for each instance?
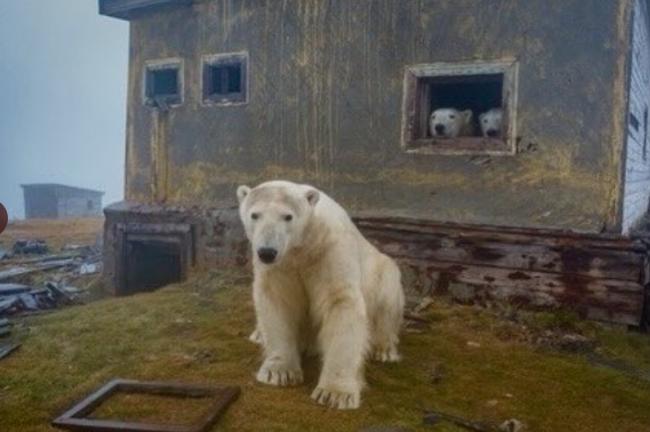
(152, 255)
(151, 264)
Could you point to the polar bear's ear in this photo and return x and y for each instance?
(468, 115)
(312, 196)
(242, 193)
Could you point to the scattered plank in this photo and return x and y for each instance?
(6, 350)
(432, 418)
(6, 303)
(11, 289)
(22, 271)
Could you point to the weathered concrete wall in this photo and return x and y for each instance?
(637, 160)
(325, 107)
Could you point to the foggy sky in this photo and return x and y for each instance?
(63, 71)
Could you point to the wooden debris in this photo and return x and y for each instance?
(77, 417)
(22, 271)
(11, 288)
(32, 300)
(7, 303)
(5, 350)
(30, 247)
(434, 417)
(5, 327)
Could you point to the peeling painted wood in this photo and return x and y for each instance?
(599, 276)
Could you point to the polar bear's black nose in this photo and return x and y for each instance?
(267, 255)
(492, 133)
(440, 128)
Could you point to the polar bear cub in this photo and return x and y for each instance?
(450, 123)
(319, 286)
(491, 122)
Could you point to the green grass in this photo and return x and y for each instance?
(197, 332)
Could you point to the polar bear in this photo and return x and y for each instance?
(450, 123)
(491, 122)
(319, 286)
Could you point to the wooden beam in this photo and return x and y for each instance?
(601, 277)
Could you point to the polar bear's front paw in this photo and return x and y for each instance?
(279, 376)
(386, 355)
(336, 399)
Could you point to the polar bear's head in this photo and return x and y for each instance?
(449, 122)
(491, 122)
(275, 215)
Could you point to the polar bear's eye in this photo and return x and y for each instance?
(288, 218)
(484, 120)
(255, 216)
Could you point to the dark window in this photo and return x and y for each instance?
(479, 93)
(90, 205)
(224, 78)
(459, 95)
(163, 85)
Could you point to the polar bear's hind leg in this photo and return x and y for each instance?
(386, 320)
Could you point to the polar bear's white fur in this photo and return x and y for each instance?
(491, 122)
(319, 287)
(450, 123)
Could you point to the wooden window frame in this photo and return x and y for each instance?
(169, 100)
(416, 100)
(225, 99)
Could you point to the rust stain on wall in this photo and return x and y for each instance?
(325, 103)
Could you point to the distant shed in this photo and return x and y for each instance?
(56, 201)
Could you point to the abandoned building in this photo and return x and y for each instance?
(338, 94)
(56, 201)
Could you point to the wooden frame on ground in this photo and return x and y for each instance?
(75, 418)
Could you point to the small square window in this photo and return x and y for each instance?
(460, 108)
(225, 78)
(163, 83)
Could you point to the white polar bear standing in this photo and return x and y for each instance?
(319, 285)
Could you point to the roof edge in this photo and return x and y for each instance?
(132, 9)
(59, 185)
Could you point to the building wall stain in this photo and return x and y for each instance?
(325, 106)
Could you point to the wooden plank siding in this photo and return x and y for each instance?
(637, 159)
(601, 277)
